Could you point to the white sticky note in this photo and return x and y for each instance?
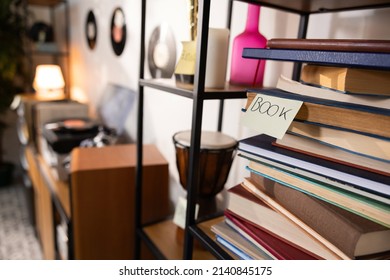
(179, 218)
(271, 115)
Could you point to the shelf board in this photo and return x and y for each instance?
(321, 6)
(167, 85)
(47, 48)
(338, 58)
(186, 90)
(49, 53)
(163, 235)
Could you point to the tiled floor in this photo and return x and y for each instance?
(17, 237)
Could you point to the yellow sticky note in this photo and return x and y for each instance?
(271, 115)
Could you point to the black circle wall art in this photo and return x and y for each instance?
(118, 31)
(162, 52)
(91, 30)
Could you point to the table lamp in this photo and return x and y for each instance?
(49, 82)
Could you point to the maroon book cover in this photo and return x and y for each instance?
(353, 45)
(277, 247)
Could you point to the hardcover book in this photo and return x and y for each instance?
(343, 115)
(316, 177)
(363, 206)
(237, 252)
(365, 59)
(252, 209)
(351, 80)
(320, 150)
(357, 143)
(261, 146)
(275, 246)
(352, 45)
(330, 94)
(237, 241)
(351, 233)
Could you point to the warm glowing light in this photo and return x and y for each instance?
(49, 81)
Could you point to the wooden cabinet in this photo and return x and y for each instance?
(103, 199)
(43, 204)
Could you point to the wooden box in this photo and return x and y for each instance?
(103, 198)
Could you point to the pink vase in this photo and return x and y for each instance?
(245, 71)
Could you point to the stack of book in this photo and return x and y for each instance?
(322, 191)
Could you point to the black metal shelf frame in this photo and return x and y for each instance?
(141, 235)
(199, 95)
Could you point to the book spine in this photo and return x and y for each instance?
(271, 243)
(339, 58)
(324, 220)
(363, 206)
(233, 249)
(355, 45)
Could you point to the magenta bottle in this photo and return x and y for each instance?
(245, 71)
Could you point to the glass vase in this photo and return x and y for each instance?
(245, 71)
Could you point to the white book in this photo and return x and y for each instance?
(323, 93)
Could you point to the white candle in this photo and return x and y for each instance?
(217, 53)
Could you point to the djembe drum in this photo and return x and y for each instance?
(215, 160)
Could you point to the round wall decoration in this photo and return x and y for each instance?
(91, 30)
(162, 52)
(118, 31)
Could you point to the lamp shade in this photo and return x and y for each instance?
(48, 77)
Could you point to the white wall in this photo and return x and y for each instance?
(166, 114)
